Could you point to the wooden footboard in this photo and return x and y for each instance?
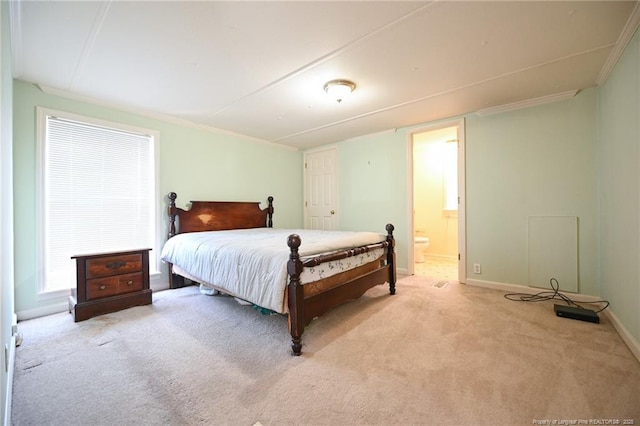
(303, 308)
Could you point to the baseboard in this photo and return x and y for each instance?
(632, 343)
(55, 308)
(11, 358)
(156, 283)
(511, 288)
(629, 340)
(517, 288)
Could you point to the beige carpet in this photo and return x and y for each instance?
(456, 355)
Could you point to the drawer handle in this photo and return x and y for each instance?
(116, 264)
(130, 282)
(102, 287)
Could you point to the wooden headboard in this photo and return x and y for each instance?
(218, 215)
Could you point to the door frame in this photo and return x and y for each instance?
(334, 148)
(462, 220)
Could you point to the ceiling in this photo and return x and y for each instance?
(258, 69)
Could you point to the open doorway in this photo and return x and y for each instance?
(438, 201)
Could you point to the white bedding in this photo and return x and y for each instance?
(251, 263)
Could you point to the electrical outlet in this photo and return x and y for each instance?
(477, 269)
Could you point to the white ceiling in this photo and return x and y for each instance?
(258, 68)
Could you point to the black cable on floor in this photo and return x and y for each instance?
(555, 294)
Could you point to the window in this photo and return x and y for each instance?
(96, 192)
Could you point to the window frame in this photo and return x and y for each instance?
(41, 134)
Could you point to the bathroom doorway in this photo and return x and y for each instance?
(438, 201)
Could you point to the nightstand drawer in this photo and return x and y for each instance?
(109, 286)
(112, 265)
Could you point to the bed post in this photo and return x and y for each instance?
(172, 212)
(296, 298)
(270, 212)
(391, 258)
(175, 281)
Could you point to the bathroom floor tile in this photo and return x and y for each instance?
(437, 267)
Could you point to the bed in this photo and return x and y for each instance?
(233, 248)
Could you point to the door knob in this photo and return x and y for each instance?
(332, 212)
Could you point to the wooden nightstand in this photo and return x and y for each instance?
(109, 282)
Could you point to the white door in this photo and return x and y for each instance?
(320, 184)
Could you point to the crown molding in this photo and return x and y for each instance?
(623, 40)
(156, 116)
(529, 102)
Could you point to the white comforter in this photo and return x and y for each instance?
(251, 263)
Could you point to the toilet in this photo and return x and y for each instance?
(420, 247)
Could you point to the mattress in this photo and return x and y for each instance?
(251, 263)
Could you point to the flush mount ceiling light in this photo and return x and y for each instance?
(339, 89)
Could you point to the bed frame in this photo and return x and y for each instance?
(305, 302)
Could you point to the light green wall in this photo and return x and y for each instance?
(534, 161)
(619, 180)
(372, 187)
(538, 161)
(196, 164)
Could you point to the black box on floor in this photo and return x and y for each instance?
(573, 312)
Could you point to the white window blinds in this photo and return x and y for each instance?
(98, 194)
